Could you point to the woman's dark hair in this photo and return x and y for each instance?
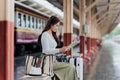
(51, 21)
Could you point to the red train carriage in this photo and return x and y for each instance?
(28, 25)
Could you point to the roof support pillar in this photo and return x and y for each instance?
(82, 22)
(7, 40)
(89, 33)
(68, 23)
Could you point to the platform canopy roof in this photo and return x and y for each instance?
(106, 12)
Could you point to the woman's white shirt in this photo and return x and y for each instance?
(48, 44)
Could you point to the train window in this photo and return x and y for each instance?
(40, 24)
(36, 23)
(32, 23)
(19, 20)
(16, 19)
(43, 24)
(28, 21)
(24, 20)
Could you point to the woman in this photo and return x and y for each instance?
(49, 42)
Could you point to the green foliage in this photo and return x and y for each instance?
(116, 31)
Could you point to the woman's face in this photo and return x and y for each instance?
(54, 27)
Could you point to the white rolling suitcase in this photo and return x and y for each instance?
(78, 62)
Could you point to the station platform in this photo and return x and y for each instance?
(106, 66)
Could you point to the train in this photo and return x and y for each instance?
(29, 24)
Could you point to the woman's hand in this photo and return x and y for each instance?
(63, 49)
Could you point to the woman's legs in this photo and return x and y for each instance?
(65, 71)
